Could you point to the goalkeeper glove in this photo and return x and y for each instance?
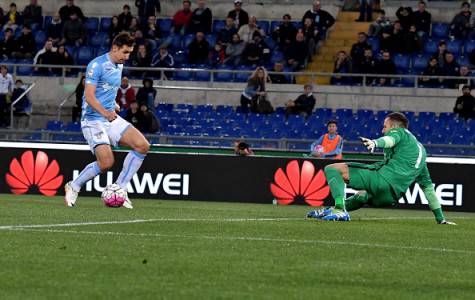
(444, 222)
(370, 144)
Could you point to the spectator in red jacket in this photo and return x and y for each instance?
(182, 18)
(125, 94)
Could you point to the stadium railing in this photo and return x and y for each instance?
(12, 105)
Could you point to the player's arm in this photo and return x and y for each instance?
(390, 140)
(93, 73)
(427, 187)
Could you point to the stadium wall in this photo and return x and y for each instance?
(44, 168)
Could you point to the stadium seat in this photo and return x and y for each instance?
(224, 76)
(40, 39)
(274, 25)
(374, 43)
(25, 70)
(180, 58)
(431, 47)
(402, 61)
(105, 24)
(165, 26)
(264, 25)
(102, 50)
(73, 126)
(187, 40)
(203, 76)
(99, 39)
(277, 56)
(218, 25)
(92, 24)
(454, 46)
(270, 42)
(47, 21)
(211, 40)
(440, 30)
(420, 62)
(84, 55)
(54, 125)
(463, 60)
(468, 47)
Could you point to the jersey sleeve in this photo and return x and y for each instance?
(390, 139)
(425, 182)
(93, 73)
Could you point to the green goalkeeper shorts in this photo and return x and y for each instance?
(366, 177)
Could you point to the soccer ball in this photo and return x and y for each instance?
(113, 196)
(318, 149)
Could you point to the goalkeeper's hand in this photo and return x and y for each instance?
(370, 144)
(445, 222)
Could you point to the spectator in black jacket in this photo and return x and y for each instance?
(322, 19)
(238, 14)
(134, 116)
(366, 66)
(284, 34)
(2, 15)
(440, 54)
(26, 45)
(63, 58)
(257, 51)
(46, 56)
(55, 29)
(198, 49)
(358, 48)
(68, 9)
(405, 16)
(296, 55)
(201, 19)
(451, 67)
(385, 66)
(366, 11)
(77, 108)
(278, 78)
(8, 45)
(12, 18)
(150, 120)
(422, 19)
(74, 31)
(141, 59)
(125, 17)
(460, 26)
(432, 69)
(151, 30)
(342, 65)
(146, 94)
(21, 109)
(32, 13)
(465, 104)
(115, 27)
(312, 36)
(147, 8)
(304, 104)
(163, 59)
(225, 35)
(412, 41)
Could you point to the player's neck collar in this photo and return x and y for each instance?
(110, 59)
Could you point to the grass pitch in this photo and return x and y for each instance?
(200, 250)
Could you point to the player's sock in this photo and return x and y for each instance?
(337, 186)
(356, 201)
(438, 214)
(88, 173)
(132, 163)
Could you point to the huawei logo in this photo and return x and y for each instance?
(297, 184)
(30, 172)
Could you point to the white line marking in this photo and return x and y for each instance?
(260, 239)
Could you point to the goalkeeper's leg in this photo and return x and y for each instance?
(337, 174)
(357, 201)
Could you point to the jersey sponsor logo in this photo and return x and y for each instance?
(107, 87)
(91, 70)
(32, 172)
(448, 195)
(297, 184)
(174, 184)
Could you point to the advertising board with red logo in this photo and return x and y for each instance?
(29, 168)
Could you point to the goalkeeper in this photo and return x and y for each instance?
(383, 183)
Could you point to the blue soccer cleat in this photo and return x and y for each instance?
(337, 216)
(320, 213)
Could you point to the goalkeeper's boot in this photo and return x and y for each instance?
(127, 202)
(337, 215)
(70, 195)
(320, 213)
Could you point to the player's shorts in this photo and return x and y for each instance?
(366, 177)
(97, 132)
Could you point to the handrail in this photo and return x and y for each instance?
(61, 104)
(17, 100)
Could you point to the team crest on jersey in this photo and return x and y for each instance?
(98, 135)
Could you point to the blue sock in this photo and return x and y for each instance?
(132, 163)
(89, 172)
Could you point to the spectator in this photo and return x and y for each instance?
(163, 59)
(238, 14)
(115, 28)
(26, 45)
(135, 116)
(141, 59)
(393, 41)
(256, 87)
(465, 104)
(21, 109)
(234, 51)
(440, 54)
(67, 10)
(451, 67)
(412, 41)
(150, 120)
(303, 105)
(79, 92)
(242, 149)
(342, 65)
(432, 69)
(74, 31)
(125, 94)
(125, 18)
(358, 49)
(181, 19)
(6, 89)
(225, 35)
(46, 56)
(385, 66)
(321, 18)
(198, 49)
(217, 55)
(151, 30)
(380, 24)
(8, 45)
(460, 26)
(246, 32)
(12, 18)
(278, 78)
(2, 17)
(284, 34)
(366, 11)
(422, 19)
(55, 29)
(33, 14)
(296, 55)
(311, 36)
(201, 19)
(329, 145)
(464, 71)
(63, 58)
(405, 17)
(140, 40)
(146, 94)
(256, 51)
(367, 66)
(147, 8)
(134, 25)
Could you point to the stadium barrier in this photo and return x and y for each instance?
(44, 169)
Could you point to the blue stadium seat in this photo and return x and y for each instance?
(40, 39)
(468, 47)
(187, 40)
(274, 25)
(223, 76)
(211, 38)
(218, 25)
(84, 55)
(402, 61)
(270, 42)
(92, 24)
(165, 26)
(105, 24)
(277, 56)
(463, 60)
(420, 62)
(73, 126)
(35, 27)
(264, 25)
(102, 50)
(374, 43)
(183, 75)
(25, 70)
(203, 76)
(175, 42)
(440, 30)
(431, 47)
(180, 58)
(54, 125)
(47, 21)
(454, 46)
(99, 39)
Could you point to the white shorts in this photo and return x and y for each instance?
(98, 132)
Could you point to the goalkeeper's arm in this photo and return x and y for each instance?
(388, 141)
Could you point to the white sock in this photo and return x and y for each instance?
(89, 172)
(132, 163)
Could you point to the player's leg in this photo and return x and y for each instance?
(357, 201)
(337, 174)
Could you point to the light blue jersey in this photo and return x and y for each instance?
(106, 76)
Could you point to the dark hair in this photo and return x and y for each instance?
(187, 1)
(18, 80)
(149, 80)
(422, 2)
(123, 39)
(13, 4)
(4, 67)
(332, 122)
(288, 16)
(126, 6)
(363, 33)
(399, 118)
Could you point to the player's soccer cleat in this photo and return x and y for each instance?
(127, 202)
(320, 213)
(337, 215)
(70, 195)
(445, 222)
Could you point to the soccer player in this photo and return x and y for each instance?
(382, 183)
(100, 124)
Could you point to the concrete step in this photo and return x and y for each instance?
(343, 35)
(328, 50)
(348, 16)
(351, 26)
(315, 80)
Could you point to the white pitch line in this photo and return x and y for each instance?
(260, 239)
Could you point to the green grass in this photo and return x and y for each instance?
(377, 255)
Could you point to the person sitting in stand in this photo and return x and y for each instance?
(465, 104)
(329, 145)
(125, 94)
(21, 109)
(303, 105)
